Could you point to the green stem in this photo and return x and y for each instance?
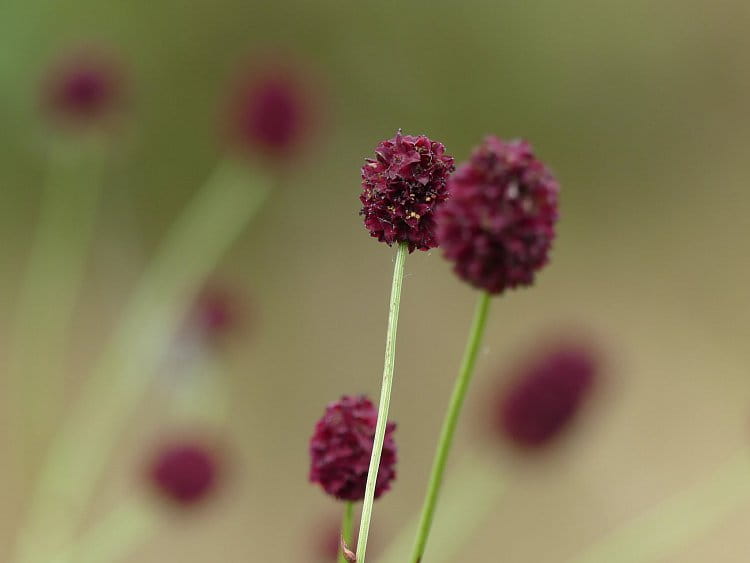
(213, 219)
(385, 399)
(449, 424)
(51, 285)
(660, 532)
(346, 528)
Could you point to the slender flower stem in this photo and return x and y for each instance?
(347, 524)
(660, 532)
(213, 219)
(385, 399)
(51, 286)
(449, 424)
(473, 490)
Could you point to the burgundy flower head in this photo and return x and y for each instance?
(272, 111)
(184, 473)
(498, 225)
(341, 446)
(84, 88)
(215, 311)
(401, 189)
(546, 395)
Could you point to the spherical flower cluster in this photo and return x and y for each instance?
(341, 446)
(215, 311)
(82, 89)
(184, 473)
(546, 395)
(498, 224)
(401, 189)
(272, 111)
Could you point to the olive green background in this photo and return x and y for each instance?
(639, 107)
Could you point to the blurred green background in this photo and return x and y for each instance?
(641, 110)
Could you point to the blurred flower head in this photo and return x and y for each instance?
(498, 224)
(272, 111)
(216, 311)
(83, 88)
(401, 189)
(545, 395)
(185, 473)
(340, 449)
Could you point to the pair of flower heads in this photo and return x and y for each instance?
(494, 218)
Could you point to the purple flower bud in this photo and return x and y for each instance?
(401, 189)
(499, 222)
(341, 446)
(544, 397)
(84, 88)
(185, 473)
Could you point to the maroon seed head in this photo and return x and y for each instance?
(184, 473)
(498, 224)
(401, 189)
(545, 396)
(340, 449)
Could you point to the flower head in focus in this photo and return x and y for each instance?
(498, 224)
(401, 189)
(340, 449)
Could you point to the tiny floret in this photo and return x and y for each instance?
(341, 446)
(184, 473)
(498, 224)
(545, 396)
(401, 189)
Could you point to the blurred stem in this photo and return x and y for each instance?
(114, 536)
(669, 526)
(346, 528)
(385, 399)
(449, 424)
(194, 244)
(471, 491)
(50, 287)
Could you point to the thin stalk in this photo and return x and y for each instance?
(473, 490)
(347, 523)
(662, 531)
(449, 424)
(51, 285)
(385, 399)
(197, 240)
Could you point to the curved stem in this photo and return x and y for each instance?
(449, 425)
(346, 528)
(213, 219)
(385, 399)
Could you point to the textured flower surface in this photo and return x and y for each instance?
(341, 446)
(498, 225)
(83, 88)
(546, 395)
(401, 189)
(184, 473)
(272, 111)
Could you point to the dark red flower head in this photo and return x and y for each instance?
(341, 446)
(184, 473)
(546, 395)
(498, 224)
(401, 189)
(272, 111)
(215, 311)
(82, 89)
